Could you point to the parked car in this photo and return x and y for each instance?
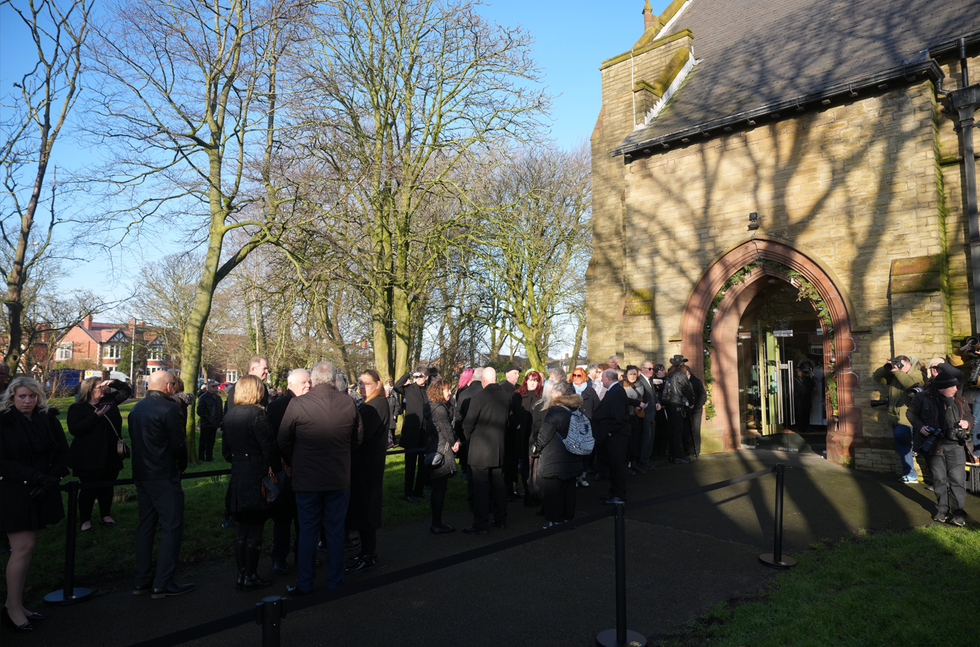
(224, 386)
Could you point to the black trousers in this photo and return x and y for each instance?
(160, 502)
(87, 496)
(206, 445)
(617, 446)
(559, 499)
(415, 473)
(439, 486)
(692, 434)
(283, 519)
(949, 475)
(488, 488)
(678, 423)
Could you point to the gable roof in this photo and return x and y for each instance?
(759, 56)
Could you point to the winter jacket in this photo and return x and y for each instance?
(159, 448)
(32, 452)
(898, 383)
(555, 461)
(317, 435)
(440, 437)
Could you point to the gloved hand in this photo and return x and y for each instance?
(49, 483)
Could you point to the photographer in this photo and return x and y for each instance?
(897, 375)
(940, 411)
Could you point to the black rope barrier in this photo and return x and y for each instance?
(386, 579)
(69, 593)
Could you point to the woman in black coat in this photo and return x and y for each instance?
(441, 438)
(33, 459)
(413, 431)
(251, 443)
(95, 424)
(367, 471)
(557, 467)
(522, 413)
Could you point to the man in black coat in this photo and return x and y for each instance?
(649, 418)
(485, 428)
(210, 415)
(159, 456)
(611, 422)
(697, 412)
(316, 436)
(413, 431)
(680, 398)
(284, 509)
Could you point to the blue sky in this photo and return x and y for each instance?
(571, 38)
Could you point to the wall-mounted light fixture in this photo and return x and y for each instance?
(753, 221)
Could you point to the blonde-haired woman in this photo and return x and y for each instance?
(95, 424)
(33, 459)
(252, 444)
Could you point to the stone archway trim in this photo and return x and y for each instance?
(847, 426)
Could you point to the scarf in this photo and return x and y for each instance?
(952, 416)
(580, 388)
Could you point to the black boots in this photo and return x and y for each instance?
(247, 560)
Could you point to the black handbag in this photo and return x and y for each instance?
(434, 459)
(275, 484)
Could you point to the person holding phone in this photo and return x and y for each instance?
(95, 424)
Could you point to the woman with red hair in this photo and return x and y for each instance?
(522, 405)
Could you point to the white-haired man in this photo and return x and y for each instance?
(284, 510)
(316, 437)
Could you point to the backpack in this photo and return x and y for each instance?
(578, 440)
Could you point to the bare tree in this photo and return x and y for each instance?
(45, 94)
(190, 97)
(399, 94)
(534, 241)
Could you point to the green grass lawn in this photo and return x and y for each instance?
(919, 587)
(109, 552)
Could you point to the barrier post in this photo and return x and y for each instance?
(620, 636)
(269, 613)
(70, 594)
(775, 559)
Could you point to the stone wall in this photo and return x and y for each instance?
(855, 186)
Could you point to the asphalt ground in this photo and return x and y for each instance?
(524, 585)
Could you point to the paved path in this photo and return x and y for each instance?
(557, 589)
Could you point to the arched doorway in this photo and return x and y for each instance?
(711, 320)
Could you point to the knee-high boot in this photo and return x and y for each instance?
(252, 579)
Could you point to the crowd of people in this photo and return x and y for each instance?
(932, 409)
(312, 459)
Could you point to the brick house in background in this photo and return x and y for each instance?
(102, 344)
(779, 185)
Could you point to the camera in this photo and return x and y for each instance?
(930, 440)
(880, 403)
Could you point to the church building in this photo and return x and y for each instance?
(784, 187)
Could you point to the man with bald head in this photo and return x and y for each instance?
(159, 456)
(485, 428)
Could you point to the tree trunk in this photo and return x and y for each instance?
(578, 342)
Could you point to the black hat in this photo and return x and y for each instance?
(512, 367)
(944, 380)
(677, 360)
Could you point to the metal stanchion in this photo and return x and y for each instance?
(269, 613)
(70, 594)
(775, 559)
(620, 636)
